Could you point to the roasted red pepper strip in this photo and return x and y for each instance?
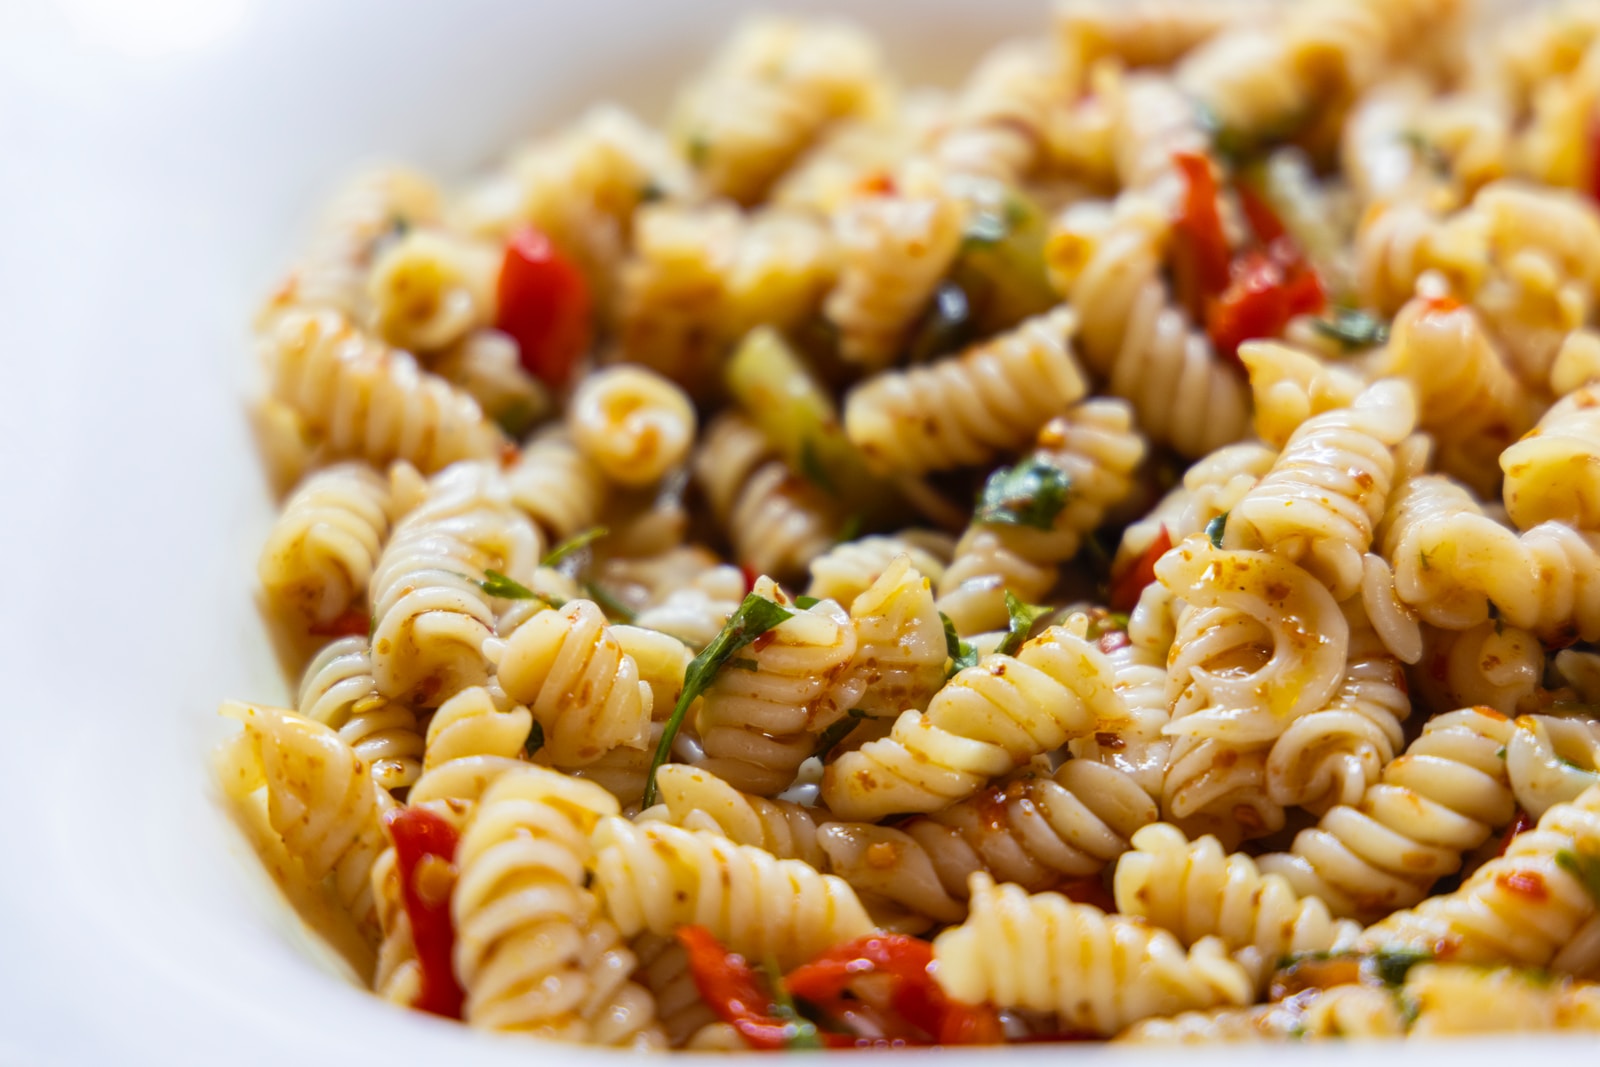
(1202, 246)
(1264, 221)
(1522, 822)
(425, 849)
(915, 996)
(1594, 158)
(1126, 587)
(544, 306)
(1268, 289)
(733, 989)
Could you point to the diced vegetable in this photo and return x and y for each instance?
(1129, 585)
(1030, 494)
(1201, 256)
(1267, 290)
(544, 306)
(734, 991)
(425, 851)
(1001, 269)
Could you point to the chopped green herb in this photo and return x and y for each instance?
(1431, 154)
(1031, 494)
(1392, 964)
(1352, 328)
(1216, 528)
(517, 418)
(496, 584)
(1021, 619)
(573, 544)
(372, 626)
(535, 740)
(829, 739)
(608, 602)
(801, 1032)
(806, 603)
(699, 151)
(811, 466)
(744, 663)
(651, 191)
(1422, 557)
(756, 615)
(1500, 753)
(1585, 866)
(947, 326)
(962, 655)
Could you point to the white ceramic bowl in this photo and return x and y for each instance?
(162, 161)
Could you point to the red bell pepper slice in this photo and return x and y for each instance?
(1127, 586)
(1202, 254)
(544, 306)
(1268, 289)
(421, 840)
(915, 996)
(737, 993)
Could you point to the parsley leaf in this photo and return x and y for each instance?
(1215, 529)
(573, 544)
(535, 740)
(1022, 617)
(811, 467)
(962, 655)
(805, 603)
(828, 739)
(1353, 328)
(1392, 964)
(1030, 494)
(800, 1033)
(756, 615)
(1585, 866)
(651, 191)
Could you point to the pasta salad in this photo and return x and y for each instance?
(1108, 552)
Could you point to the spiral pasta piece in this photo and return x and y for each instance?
(1549, 473)
(777, 520)
(631, 423)
(339, 691)
(1551, 761)
(430, 615)
(1327, 491)
(1096, 972)
(768, 94)
(1451, 561)
(847, 569)
(1289, 387)
(324, 545)
(1034, 829)
(997, 127)
(581, 687)
(1492, 665)
(900, 649)
(655, 877)
(961, 411)
(1467, 398)
(363, 399)
(429, 288)
(1350, 1012)
(698, 800)
(532, 952)
(894, 248)
(1260, 644)
(1145, 33)
(757, 726)
(1196, 890)
(1520, 908)
(469, 724)
(664, 971)
(987, 721)
(1439, 800)
(556, 485)
(321, 800)
(1098, 449)
(1107, 264)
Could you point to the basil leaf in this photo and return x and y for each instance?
(1585, 867)
(608, 602)
(1030, 494)
(573, 544)
(962, 655)
(1392, 964)
(1022, 617)
(1353, 328)
(535, 740)
(1216, 528)
(756, 615)
(805, 603)
(801, 1033)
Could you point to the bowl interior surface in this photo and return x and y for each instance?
(165, 163)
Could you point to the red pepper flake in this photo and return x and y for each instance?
(1441, 305)
(1528, 884)
(1127, 586)
(425, 848)
(876, 183)
(544, 306)
(1522, 822)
